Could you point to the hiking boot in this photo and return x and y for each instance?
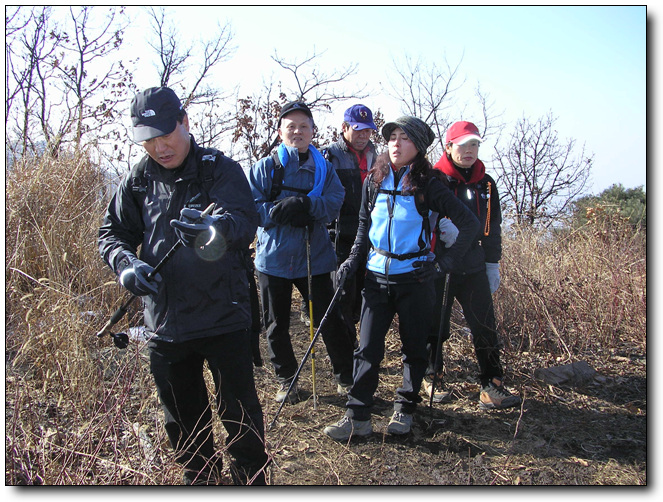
(342, 389)
(400, 423)
(347, 427)
(441, 394)
(496, 396)
(282, 394)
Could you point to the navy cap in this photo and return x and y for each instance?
(294, 106)
(154, 112)
(359, 117)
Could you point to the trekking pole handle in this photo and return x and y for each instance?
(177, 245)
(120, 312)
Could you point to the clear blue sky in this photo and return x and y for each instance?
(585, 64)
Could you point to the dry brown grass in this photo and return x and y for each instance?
(570, 293)
(80, 412)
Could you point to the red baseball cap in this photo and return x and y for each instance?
(462, 132)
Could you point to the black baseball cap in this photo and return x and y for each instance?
(294, 106)
(154, 113)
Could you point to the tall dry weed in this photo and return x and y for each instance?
(569, 292)
(77, 409)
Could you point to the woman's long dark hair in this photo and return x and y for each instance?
(420, 172)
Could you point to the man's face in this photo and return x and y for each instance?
(357, 139)
(296, 130)
(170, 150)
(464, 155)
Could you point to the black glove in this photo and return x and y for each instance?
(193, 230)
(347, 269)
(292, 211)
(134, 276)
(426, 271)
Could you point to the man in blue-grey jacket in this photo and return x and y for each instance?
(352, 157)
(308, 197)
(197, 307)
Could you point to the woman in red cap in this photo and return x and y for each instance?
(477, 276)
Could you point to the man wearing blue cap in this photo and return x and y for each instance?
(352, 157)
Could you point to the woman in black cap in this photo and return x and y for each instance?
(400, 197)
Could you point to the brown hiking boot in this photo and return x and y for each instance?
(441, 394)
(496, 396)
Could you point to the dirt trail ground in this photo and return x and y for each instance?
(594, 435)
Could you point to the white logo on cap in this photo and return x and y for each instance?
(148, 113)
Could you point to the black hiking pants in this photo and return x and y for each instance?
(473, 294)
(413, 302)
(178, 373)
(276, 297)
(350, 302)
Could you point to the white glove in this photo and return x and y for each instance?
(493, 273)
(448, 232)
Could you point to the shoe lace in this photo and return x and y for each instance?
(501, 390)
(399, 416)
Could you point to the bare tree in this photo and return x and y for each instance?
(182, 69)
(314, 86)
(540, 173)
(32, 42)
(61, 91)
(426, 91)
(255, 120)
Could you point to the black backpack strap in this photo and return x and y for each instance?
(138, 182)
(278, 173)
(373, 190)
(207, 162)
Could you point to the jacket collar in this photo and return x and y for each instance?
(445, 165)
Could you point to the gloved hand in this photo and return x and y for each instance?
(193, 230)
(347, 269)
(448, 232)
(292, 211)
(134, 276)
(493, 273)
(426, 271)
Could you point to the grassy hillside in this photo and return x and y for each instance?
(80, 411)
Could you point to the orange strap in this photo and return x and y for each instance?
(486, 229)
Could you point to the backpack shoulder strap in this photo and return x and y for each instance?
(373, 190)
(138, 181)
(278, 173)
(277, 177)
(207, 165)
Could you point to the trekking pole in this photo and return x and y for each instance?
(121, 340)
(438, 348)
(332, 305)
(308, 230)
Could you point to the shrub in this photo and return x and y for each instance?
(567, 292)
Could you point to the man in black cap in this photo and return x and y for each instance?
(352, 157)
(294, 211)
(197, 307)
